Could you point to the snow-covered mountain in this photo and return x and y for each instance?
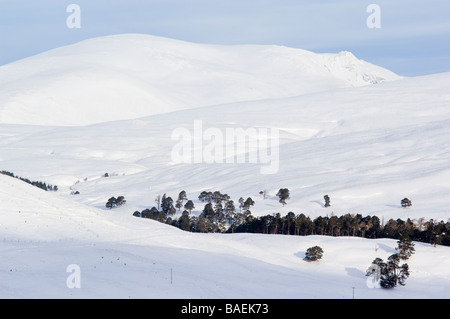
(130, 76)
(122, 104)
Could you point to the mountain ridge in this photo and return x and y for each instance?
(132, 75)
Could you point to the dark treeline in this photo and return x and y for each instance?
(220, 214)
(42, 185)
(431, 231)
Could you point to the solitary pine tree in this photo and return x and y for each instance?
(405, 248)
(327, 201)
(405, 202)
(283, 194)
(313, 253)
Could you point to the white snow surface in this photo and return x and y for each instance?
(359, 133)
(133, 75)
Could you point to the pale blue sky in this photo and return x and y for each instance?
(414, 38)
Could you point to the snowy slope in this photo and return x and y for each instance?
(367, 148)
(132, 75)
(120, 256)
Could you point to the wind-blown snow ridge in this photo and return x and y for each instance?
(132, 75)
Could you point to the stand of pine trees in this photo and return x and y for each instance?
(220, 214)
(39, 184)
(433, 232)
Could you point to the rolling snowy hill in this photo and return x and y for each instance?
(130, 76)
(367, 148)
(120, 256)
(123, 104)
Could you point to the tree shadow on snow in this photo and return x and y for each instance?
(386, 248)
(354, 272)
(319, 203)
(300, 254)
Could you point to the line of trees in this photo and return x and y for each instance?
(41, 185)
(221, 214)
(431, 231)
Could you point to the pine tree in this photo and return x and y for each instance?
(405, 202)
(327, 201)
(230, 209)
(247, 204)
(181, 198)
(283, 194)
(241, 203)
(313, 253)
(179, 204)
(208, 212)
(390, 273)
(405, 248)
(189, 206)
(184, 222)
(205, 196)
(167, 205)
(120, 201)
(111, 203)
(394, 273)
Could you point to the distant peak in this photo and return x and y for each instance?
(133, 75)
